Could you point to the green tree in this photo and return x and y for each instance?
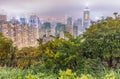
(27, 56)
(6, 53)
(60, 53)
(102, 40)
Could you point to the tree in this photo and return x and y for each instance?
(60, 53)
(102, 40)
(6, 52)
(115, 13)
(27, 56)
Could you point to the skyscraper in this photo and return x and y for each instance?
(69, 26)
(59, 28)
(75, 30)
(34, 21)
(86, 18)
(69, 20)
(78, 25)
(23, 21)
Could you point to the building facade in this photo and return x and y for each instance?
(69, 25)
(21, 35)
(25, 34)
(86, 18)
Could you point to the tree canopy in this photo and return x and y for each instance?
(5, 48)
(102, 39)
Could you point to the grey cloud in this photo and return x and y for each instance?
(103, 7)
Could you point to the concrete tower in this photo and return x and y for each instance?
(34, 22)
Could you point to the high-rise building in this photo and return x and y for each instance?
(69, 25)
(57, 29)
(34, 21)
(14, 20)
(21, 35)
(86, 18)
(69, 21)
(77, 27)
(75, 31)
(80, 26)
(60, 28)
(23, 21)
(53, 28)
(46, 31)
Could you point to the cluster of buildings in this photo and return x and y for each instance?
(25, 32)
(21, 33)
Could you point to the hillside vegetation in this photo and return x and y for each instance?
(93, 55)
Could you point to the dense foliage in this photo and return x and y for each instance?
(93, 55)
(10, 73)
(6, 52)
(102, 40)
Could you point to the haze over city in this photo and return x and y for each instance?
(98, 8)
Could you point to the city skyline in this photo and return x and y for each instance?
(21, 8)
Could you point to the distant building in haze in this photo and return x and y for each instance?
(14, 20)
(23, 21)
(79, 23)
(75, 28)
(75, 31)
(60, 28)
(3, 18)
(69, 25)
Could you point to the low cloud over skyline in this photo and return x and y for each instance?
(97, 7)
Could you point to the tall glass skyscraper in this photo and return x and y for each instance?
(86, 18)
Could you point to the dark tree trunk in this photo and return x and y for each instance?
(110, 62)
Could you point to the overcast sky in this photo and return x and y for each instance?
(97, 7)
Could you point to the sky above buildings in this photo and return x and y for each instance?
(22, 7)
